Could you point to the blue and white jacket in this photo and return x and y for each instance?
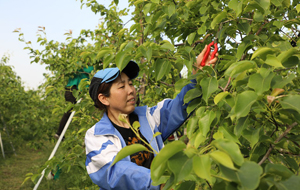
(103, 142)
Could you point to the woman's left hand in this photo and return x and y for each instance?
(208, 62)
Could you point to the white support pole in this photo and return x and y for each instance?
(2, 146)
(57, 145)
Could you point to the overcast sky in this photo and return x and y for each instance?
(57, 16)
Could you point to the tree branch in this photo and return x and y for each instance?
(276, 141)
(260, 29)
(288, 36)
(195, 43)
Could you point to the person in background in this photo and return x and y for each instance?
(72, 84)
(113, 92)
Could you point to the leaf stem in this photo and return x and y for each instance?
(138, 135)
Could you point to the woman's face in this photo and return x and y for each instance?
(122, 96)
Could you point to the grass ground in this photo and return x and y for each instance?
(13, 169)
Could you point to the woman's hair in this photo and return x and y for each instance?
(104, 89)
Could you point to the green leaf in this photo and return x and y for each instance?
(156, 173)
(129, 46)
(240, 50)
(168, 46)
(201, 167)
(236, 6)
(136, 125)
(252, 135)
(231, 148)
(273, 61)
(262, 52)
(156, 134)
(279, 170)
(202, 30)
(170, 182)
(291, 102)
(147, 8)
(192, 126)
(265, 4)
(162, 68)
(228, 134)
(171, 9)
(155, 1)
(149, 53)
(186, 185)
(229, 174)
(280, 82)
(277, 3)
(249, 175)
(298, 8)
(180, 165)
(242, 123)
(193, 105)
(192, 94)
(191, 38)
(122, 59)
(253, 6)
(292, 183)
(259, 83)
(256, 153)
(286, 54)
(116, 2)
(217, 19)
(220, 96)
(244, 27)
(258, 16)
(291, 62)
(244, 102)
(209, 85)
(222, 158)
(103, 52)
(166, 153)
(205, 122)
(199, 139)
(239, 67)
(127, 151)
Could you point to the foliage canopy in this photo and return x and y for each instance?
(244, 130)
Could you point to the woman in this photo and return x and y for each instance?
(113, 92)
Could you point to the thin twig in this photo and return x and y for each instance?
(167, 84)
(282, 151)
(275, 123)
(276, 141)
(288, 36)
(233, 39)
(208, 184)
(228, 82)
(243, 57)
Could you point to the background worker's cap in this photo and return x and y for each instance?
(110, 74)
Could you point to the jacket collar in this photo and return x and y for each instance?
(105, 127)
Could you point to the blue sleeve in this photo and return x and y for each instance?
(172, 112)
(123, 175)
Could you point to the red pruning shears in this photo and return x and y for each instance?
(213, 43)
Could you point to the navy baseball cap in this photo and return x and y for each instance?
(110, 74)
